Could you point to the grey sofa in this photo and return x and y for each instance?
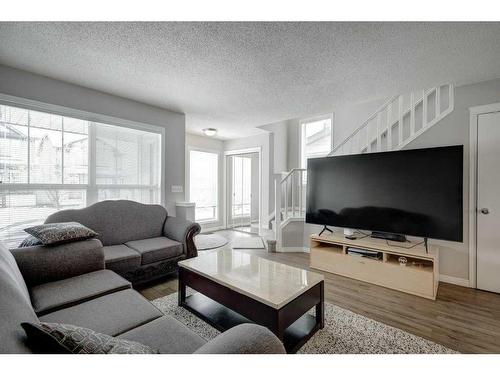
(69, 284)
(140, 241)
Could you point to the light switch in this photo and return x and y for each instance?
(177, 189)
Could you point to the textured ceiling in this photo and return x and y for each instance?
(237, 76)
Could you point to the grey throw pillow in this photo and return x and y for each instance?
(58, 338)
(55, 233)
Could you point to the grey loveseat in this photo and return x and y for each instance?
(70, 285)
(140, 241)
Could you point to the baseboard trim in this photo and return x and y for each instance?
(210, 229)
(454, 280)
(291, 249)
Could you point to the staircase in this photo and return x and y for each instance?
(394, 125)
(399, 121)
(289, 201)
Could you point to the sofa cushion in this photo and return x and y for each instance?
(117, 221)
(246, 338)
(11, 269)
(68, 292)
(166, 334)
(111, 314)
(56, 233)
(44, 264)
(156, 249)
(15, 305)
(58, 338)
(121, 258)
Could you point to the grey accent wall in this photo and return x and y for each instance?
(31, 86)
(293, 149)
(350, 116)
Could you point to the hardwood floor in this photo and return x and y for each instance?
(463, 319)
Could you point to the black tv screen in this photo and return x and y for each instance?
(413, 192)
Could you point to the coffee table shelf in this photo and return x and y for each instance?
(223, 318)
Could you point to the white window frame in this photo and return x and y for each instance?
(91, 187)
(188, 182)
(302, 124)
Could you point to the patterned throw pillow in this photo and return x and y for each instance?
(30, 241)
(58, 338)
(55, 233)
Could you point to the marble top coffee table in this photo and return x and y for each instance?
(236, 287)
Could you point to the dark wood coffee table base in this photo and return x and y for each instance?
(224, 308)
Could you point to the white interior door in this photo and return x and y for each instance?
(488, 202)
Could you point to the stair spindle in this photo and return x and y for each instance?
(412, 114)
(389, 127)
(400, 120)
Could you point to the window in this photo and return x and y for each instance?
(127, 164)
(203, 184)
(316, 139)
(46, 166)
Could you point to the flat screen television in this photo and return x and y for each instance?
(411, 192)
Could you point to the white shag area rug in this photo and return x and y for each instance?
(345, 332)
(209, 241)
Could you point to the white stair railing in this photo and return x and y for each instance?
(399, 121)
(289, 199)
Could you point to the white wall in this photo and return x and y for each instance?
(346, 118)
(255, 209)
(278, 133)
(208, 144)
(39, 88)
(280, 144)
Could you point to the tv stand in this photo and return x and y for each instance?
(389, 236)
(419, 276)
(325, 228)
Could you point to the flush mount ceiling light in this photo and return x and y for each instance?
(209, 132)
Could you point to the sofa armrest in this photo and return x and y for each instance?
(182, 231)
(244, 339)
(43, 264)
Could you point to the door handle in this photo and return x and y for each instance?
(485, 211)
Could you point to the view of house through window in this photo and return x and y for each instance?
(316, 138)
(45, 166)
(203, 184)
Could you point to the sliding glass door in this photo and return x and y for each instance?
(242, 189)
